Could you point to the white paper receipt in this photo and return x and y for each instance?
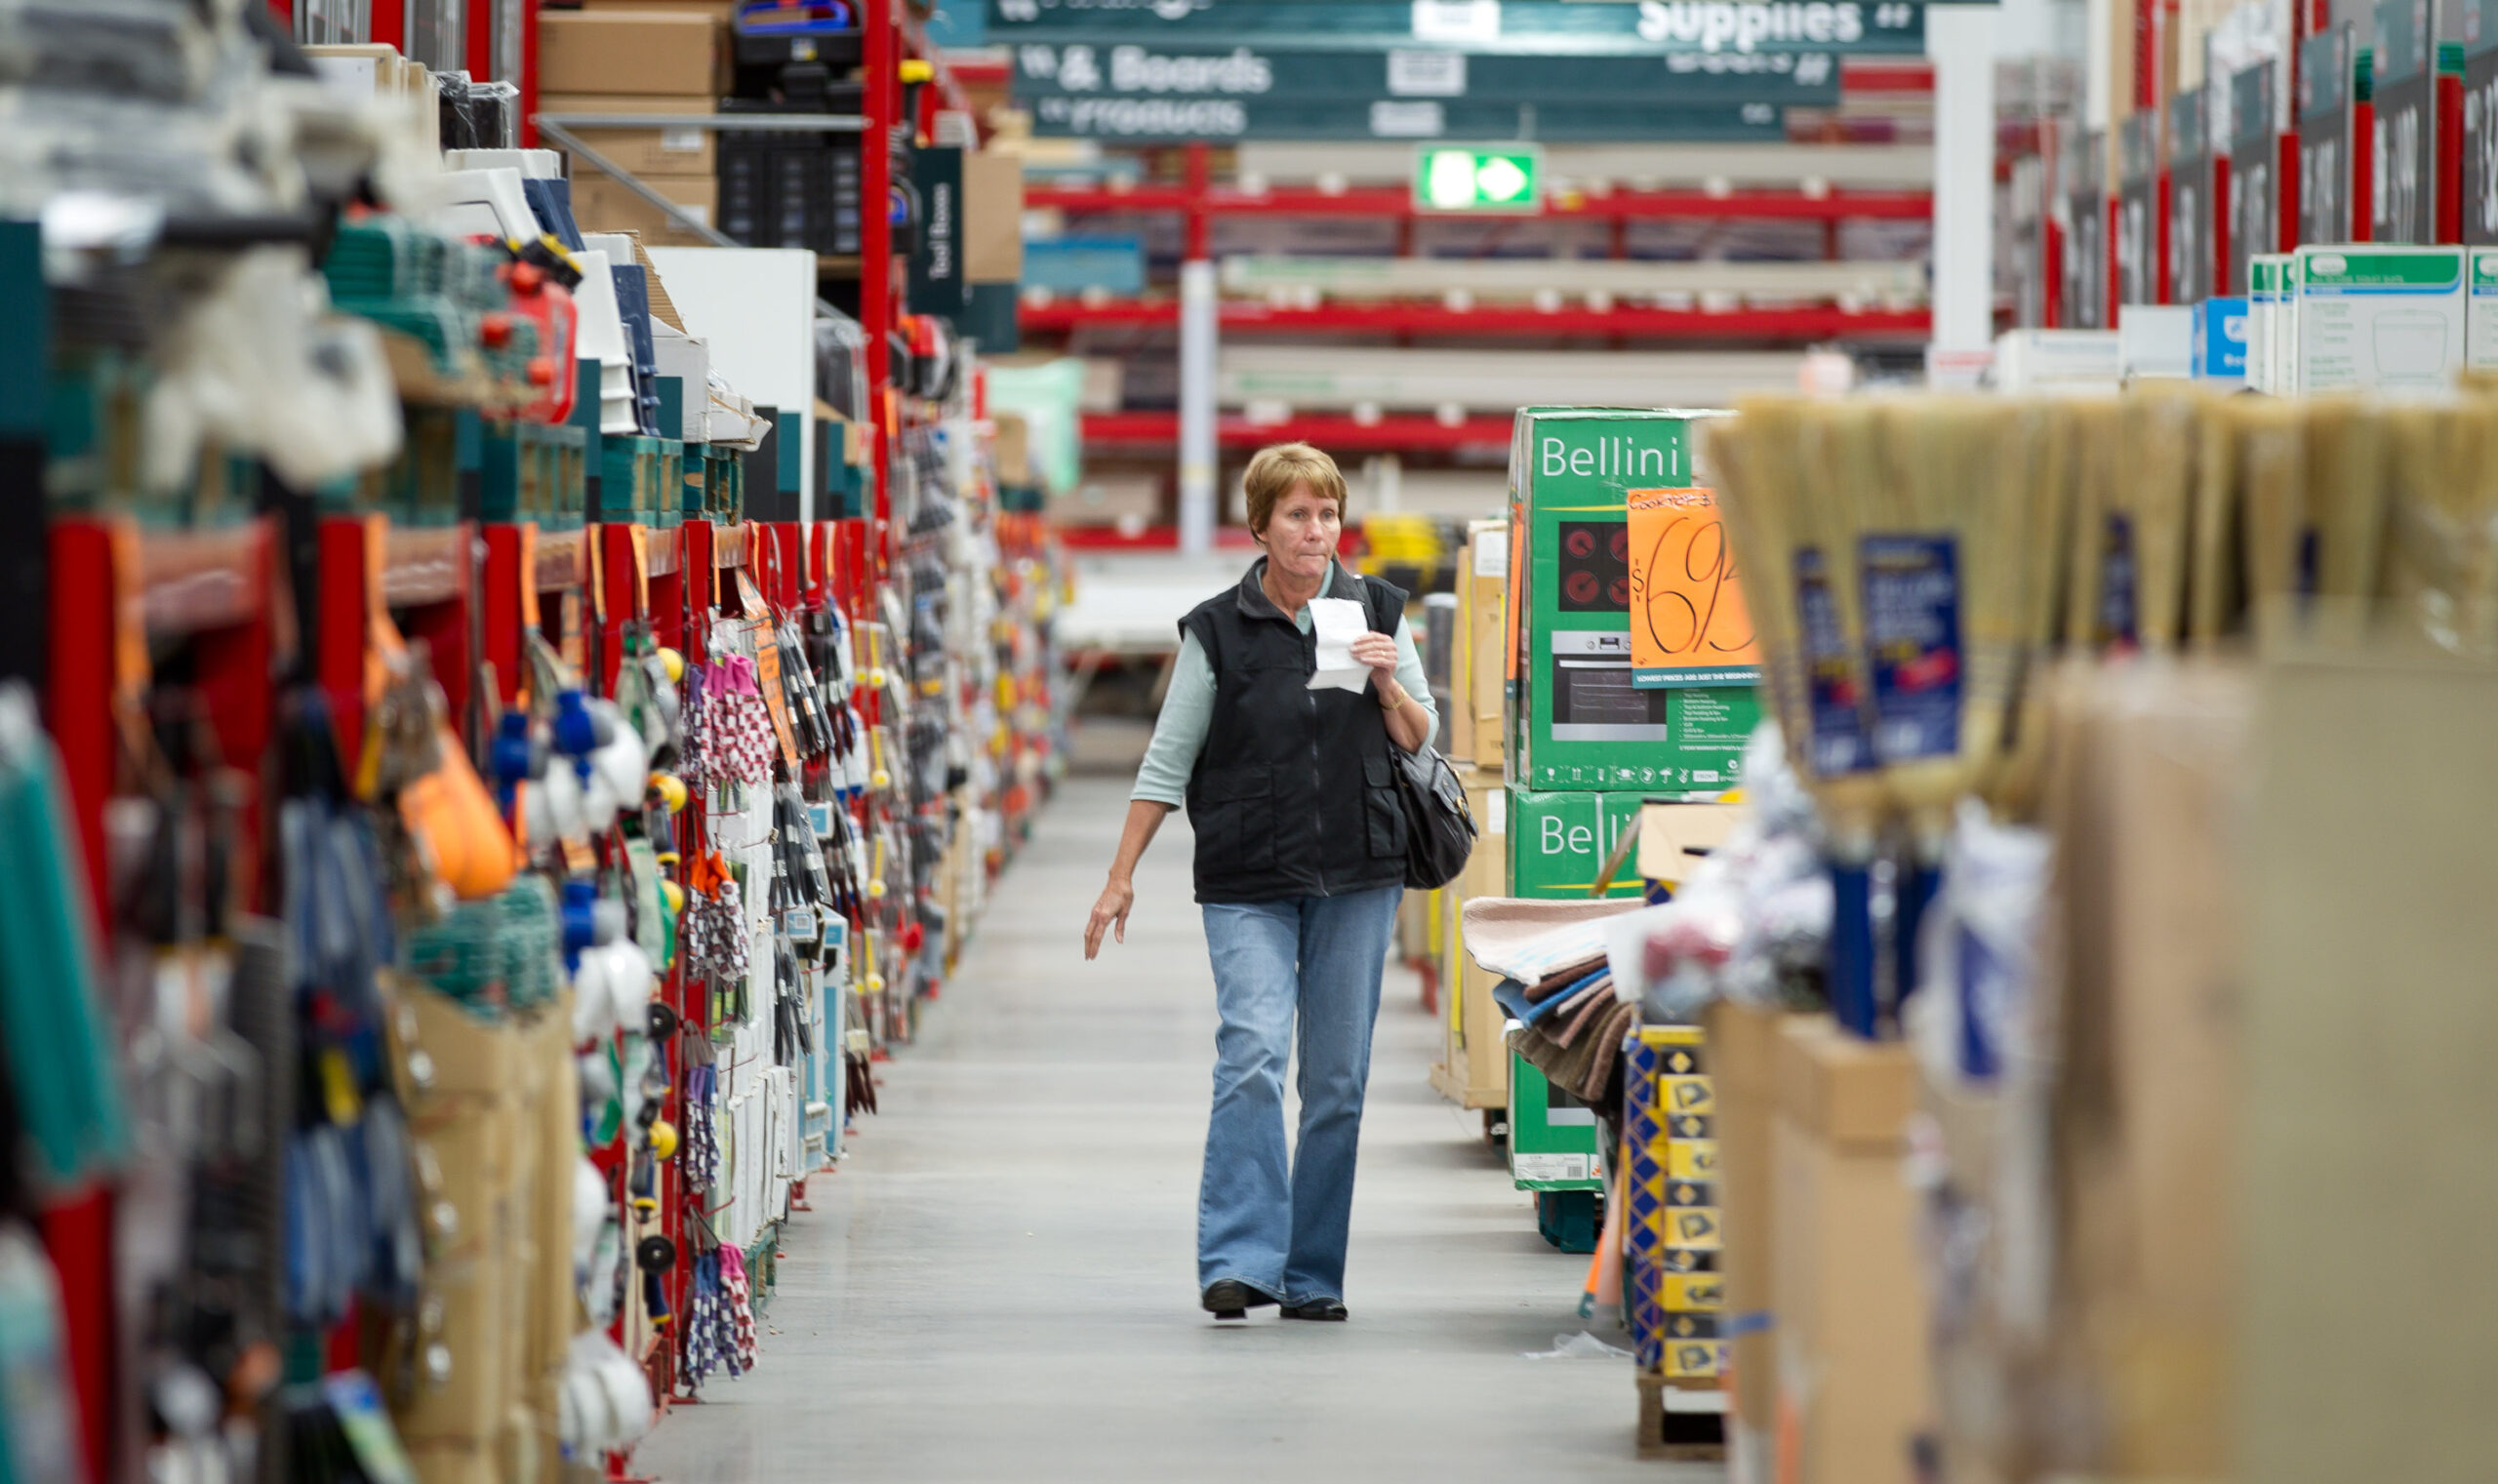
(1335, 622)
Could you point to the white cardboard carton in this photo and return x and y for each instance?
(2377, 317)
(2481, 315)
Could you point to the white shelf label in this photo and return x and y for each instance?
(1427, 74)
(1549, 1165)
(1457, 20)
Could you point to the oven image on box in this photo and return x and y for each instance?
(1592, 696)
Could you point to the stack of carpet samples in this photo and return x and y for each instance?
(1557, 984)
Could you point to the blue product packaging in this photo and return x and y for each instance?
(2220, 340)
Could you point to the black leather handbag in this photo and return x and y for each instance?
(1439, 832)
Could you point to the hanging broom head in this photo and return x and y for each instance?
(1941, 482)
(2216, 564)
(2097, 425)
(2041, 476)
(2441, 567)
(2155, 486)
(1751, 456)
(2346, 515)
(2271, 459)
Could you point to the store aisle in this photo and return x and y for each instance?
(999, 1282)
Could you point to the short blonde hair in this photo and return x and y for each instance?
(1275, 468)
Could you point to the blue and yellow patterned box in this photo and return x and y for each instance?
(1671, 1220)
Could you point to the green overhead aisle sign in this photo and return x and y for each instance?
(1457, 178)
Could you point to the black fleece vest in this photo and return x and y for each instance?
(1294, 792)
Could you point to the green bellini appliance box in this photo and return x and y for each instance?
(1553, 1136)
(1590, 709)
(1559, 842)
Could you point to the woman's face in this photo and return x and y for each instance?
(1300, 533)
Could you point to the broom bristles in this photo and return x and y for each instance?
(2160, 426)
(2216, 590)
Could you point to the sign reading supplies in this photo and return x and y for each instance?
(1149, 69)
(1561, 27)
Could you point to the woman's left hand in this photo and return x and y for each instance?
(1379, 652)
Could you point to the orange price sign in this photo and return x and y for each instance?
(1688, 623)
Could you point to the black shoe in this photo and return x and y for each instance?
(1317, 1309)
(1232, 1298)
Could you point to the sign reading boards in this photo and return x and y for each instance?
(1265, 73)
(1551, 27)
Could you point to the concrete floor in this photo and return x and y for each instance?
(999, 1282)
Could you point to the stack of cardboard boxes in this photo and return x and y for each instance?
(1628, 675)
(1475, 1072)
(1594, 730)
(639, 57)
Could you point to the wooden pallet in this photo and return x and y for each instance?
(1678, 1437)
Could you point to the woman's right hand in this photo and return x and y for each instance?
(1109, 914)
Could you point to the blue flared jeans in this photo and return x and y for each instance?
(1280, 1224)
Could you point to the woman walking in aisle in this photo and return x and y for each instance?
(1300, 863)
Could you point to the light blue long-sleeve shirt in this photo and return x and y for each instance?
(1187, 710)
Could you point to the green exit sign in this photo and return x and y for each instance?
(1454, 178)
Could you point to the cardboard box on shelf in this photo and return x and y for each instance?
(601, 203)
(1474, 1070)
(1552, 1135)
(992, 218)
(2365, 1087)
(686, 150)
(639, 50)
(1013, 447)
(717, 10)
(1849, 1279)
(1478, 666)
(1585, 717)
(1743, 1055)
(1110, 498)
(2143, 806)
(2480, 322)
(1559, 842)
(2377, 317)
(1674, 838)
(1413, 927)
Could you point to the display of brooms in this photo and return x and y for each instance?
(1914, 563)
